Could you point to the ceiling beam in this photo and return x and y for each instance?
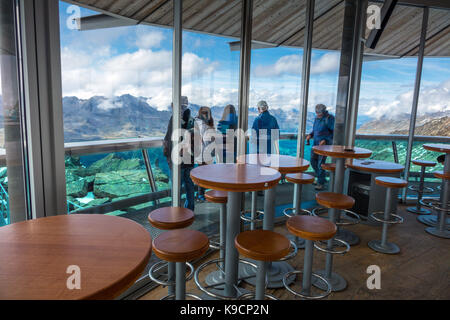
(375, 34)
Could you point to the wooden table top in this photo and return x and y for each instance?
(235, 177)
(376, 166)
(283, 163)
(110, 251)
(341, 152)
(445, 148)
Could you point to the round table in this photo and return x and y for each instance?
(341, 153)
(284, 164)
(375, 166)
(235, 179)
(438, 225)
(39, 259)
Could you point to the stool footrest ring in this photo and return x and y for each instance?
(425, 190)
(395, 218)
(299, 294)
(161, 264)
(331, 251)
(208, 292)
(249, 219)
(290, 212)
(251, 295)
(172, 296)
(214, 242)
(355, 219)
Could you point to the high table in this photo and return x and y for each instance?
(438, 228)
(283, 164)
(359, 170)
(235, 179)
(341, 153)
(39, 258)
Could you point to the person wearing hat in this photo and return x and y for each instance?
(187, 123)
(322, 133)
(265, 121)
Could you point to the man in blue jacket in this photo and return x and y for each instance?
(322, 133)
(265, 121)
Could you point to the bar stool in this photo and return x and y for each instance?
(311, 229)
(299, 179)
(169, 218)
(331, 168)
(441, 230)
(262, 246)
(180, 246)
(335, 202)
(421, 189)
(392, 184)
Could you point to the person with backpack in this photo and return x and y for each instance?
(187, 123)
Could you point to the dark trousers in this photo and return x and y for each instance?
(316, 164)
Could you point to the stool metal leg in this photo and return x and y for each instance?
(171, 277)
(307, 267)
(297, 206)
(253, 213)
(418, 208)
(441, 229)
(223, 228)
(261, 280)
(343, 234)
(180, 283)
(383, 246)
(337, 282)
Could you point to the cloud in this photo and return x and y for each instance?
(433, 98)
(292, 65)
(149, 39)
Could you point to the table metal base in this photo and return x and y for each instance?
(389, 247)
(438, 233)
(431, 221)
(421, 211)
(337, 282)
(348, 236)
(275, 274)
(298, 241)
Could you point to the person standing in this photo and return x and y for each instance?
(322, 134)
(265, 122)
(228, 122)
(187, 123)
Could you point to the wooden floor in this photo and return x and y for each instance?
(420, 271)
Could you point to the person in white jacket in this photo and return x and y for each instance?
(206, 134)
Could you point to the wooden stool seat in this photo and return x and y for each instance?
(169, 218)
(180, 245)
(262, 245)
(329, 166)
(442, 175)
(424, 163)
(391, 182)
(300, 178)
(216, 196)
(334, 200)
(311, 228)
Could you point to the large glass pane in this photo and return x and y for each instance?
(13, 202)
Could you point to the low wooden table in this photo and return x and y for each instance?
(439, 223)
(364, 172)
(111, 253)
(235, 179)
(284, 164)
(341, 153)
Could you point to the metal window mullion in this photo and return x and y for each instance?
(412, 122)
(176, 94)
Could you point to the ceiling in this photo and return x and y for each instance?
(281, 22)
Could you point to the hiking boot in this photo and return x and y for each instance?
(319, 187)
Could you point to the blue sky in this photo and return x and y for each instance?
(137, 60)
